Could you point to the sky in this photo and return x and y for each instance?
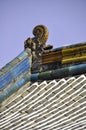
(65, 20)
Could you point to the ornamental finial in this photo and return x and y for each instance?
(41, 33)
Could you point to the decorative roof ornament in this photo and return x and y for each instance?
(37, 44)
(41, 33)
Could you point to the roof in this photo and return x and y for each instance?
(44, 88)
(22, 69)
(47, 106)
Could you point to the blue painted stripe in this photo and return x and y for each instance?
(18, 84)
(15, 61)
(16, 71)
(20, 68)
(12, 63)
(5, 80)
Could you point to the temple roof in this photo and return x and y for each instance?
(44, 88)
(48, 105)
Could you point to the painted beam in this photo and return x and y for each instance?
(60, 73)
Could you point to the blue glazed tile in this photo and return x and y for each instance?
(20, 68)
(22, 55)
(12, 63)
(5, 80)
(18, 84)
(16, 71)
(15, 61)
